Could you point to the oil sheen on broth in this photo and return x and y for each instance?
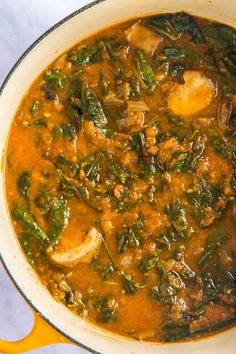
(121, 177)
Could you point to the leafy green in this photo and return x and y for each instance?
(185, 23)
(172, 26)
(148, 263)
(28, 222)
(218, 36)
(89, 54)
(25, 244)
(43, 200)
(69, 131)
(218, 281)
(35, 107)
(91, 165)
(214, 241)
(92, 107)
(131, 236)
(144, 72)
(227, 65)
(104, 270)
(78, 189)
(121, 172)
(58, 219)
(62, 163)
(57, 131)
(202, 202)
(55, 79)
(96, 52)
(39, 123)
(23, 184)
(177, 54)
(105, 84)
(163, 294)
(177, 216)
(163, 25)
(130, 285)
(108, 312)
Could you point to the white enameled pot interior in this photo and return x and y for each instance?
(81, 24)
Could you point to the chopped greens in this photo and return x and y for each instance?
(55, 79)
(58, 220)
(29, 224)
(23, 184)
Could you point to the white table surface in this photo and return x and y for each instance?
(21, 22)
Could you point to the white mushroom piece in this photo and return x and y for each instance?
(193, 95)
(79, 254)
(143, 38)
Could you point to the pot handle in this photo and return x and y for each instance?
(41, 334)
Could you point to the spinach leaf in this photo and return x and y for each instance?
(227, 64)
(108, 310)
(177, 216)
(78, 189)
(39, 123)
(144, 72)
(28, 222)
(130, 285)
(163, 25)
(58, 219)
(177, 54)
(218, 36)
(35, 107)
(23, 184)
(89, 54)
(138, 143)
(104, 270)
(164, 293)
(69, 131)
(57, 131)
(25, 244)
(172, 26)
(92, 166)
(121, 172)
(92, 107)
(43, 200)
(214, 241)
(217, 281)
(148, 263)
(55, 79)
(131, 236)
(183, 22)
(203, 202)
(105, 84)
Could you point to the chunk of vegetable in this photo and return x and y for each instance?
(143, 38)
(79, 254)
(191, 97)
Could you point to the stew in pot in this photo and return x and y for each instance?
(121, 177)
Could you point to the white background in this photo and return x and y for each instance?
(21, 23)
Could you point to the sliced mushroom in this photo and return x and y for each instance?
(143, 38)
(191, 97)
(79, 254)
